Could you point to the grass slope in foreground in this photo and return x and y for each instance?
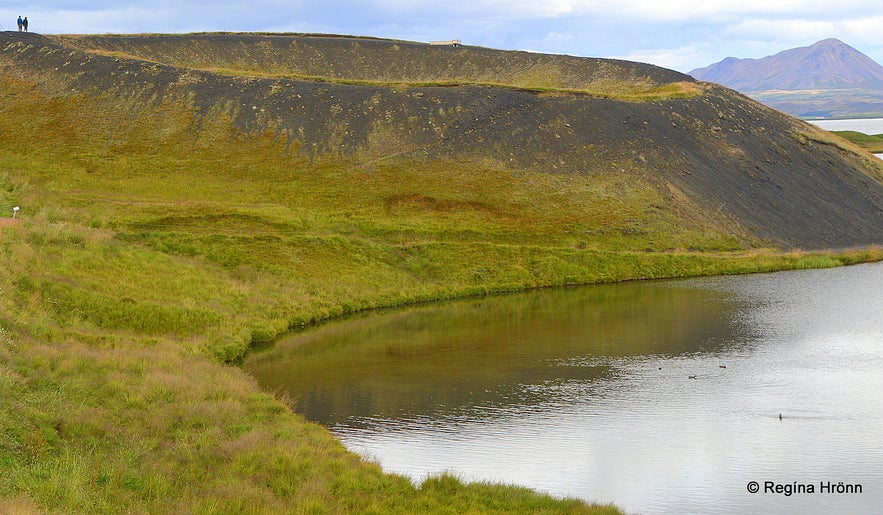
(149, 256)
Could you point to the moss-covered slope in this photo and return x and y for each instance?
(709, 151)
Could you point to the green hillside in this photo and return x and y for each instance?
(869, 142)
(178, 206)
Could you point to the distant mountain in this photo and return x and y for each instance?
(828, 64)
(827, 79)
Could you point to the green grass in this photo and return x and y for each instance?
(870, 142)
(148, 259)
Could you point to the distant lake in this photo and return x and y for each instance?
(867, 125)
(662, 397)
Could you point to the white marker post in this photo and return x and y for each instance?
(14, 211)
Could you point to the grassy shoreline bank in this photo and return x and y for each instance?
(147, 422)
(124, 300)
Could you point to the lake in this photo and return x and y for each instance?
(662, 397)
(867, 125)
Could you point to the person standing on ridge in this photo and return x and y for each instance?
(24, 23)
(20, 23)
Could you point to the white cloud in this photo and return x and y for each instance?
(682, 58)
(716, 10)
(494, 9)
(864, 34)
(781, 30)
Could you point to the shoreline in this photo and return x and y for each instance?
(848, 257)
(799, 260)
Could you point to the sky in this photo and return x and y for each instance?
(678, 34)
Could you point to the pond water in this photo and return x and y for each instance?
(662, 397)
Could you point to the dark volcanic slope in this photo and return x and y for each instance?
(368, 59)
(773, 174)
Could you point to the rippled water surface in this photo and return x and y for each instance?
(662, 397)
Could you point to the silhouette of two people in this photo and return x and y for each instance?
(23, 24)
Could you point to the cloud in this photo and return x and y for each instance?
(681, 58)
(715, 11)
(486, 9)
(780, 30)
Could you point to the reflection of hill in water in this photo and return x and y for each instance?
(452, 358)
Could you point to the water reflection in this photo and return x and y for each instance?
(588, 392)
(490, 356)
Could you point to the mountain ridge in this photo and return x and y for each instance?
(826, 79)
